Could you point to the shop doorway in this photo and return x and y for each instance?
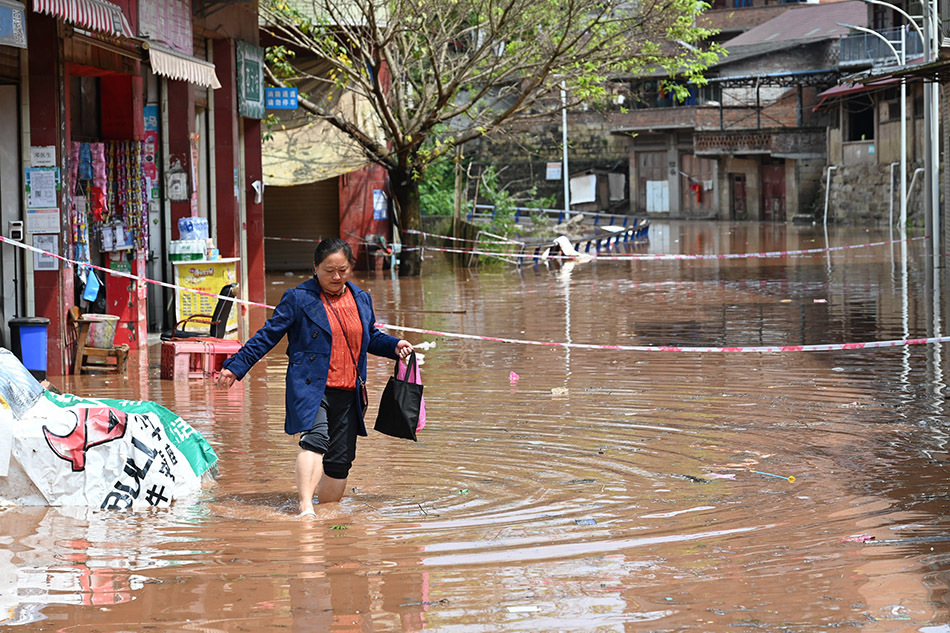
(773, 193)
(11, 261)
(738, 210)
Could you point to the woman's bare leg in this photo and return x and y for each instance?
(330, 490)
(309, 472)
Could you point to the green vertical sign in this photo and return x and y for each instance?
(250, 80)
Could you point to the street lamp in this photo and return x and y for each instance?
(902, 61)
(565, 175)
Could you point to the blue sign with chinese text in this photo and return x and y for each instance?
(12, 25)
(280, 98)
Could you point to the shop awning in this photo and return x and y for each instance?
(95, 15)
(310, 153)
(175, 65)
(842, 90)
(317, 150)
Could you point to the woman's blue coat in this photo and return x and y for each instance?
(302, 317)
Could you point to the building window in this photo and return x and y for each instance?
(891, 105)
(741, 4)
(859, 116)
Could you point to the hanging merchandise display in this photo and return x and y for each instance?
(78, 211)
(131, 190)
(110, 197)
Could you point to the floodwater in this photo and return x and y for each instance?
(600, 491)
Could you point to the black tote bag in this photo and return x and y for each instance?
(400, 404)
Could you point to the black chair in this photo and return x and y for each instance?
(217, 322)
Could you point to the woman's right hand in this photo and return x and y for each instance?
(226, 378)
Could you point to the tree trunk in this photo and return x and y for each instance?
(406, 193)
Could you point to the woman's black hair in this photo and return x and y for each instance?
(329, 246)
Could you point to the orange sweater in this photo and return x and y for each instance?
(342, 370)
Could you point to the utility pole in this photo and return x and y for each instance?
(564, 171)
(931, 135)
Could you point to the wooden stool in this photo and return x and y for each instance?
(118, 352)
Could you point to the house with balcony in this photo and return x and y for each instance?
(750, 144)
(865, 115)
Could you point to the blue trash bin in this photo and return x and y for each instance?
(28, 343)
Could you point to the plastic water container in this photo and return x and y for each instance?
(192, 228)
(28, 343)
(101, 330)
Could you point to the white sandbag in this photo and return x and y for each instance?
(103, 453)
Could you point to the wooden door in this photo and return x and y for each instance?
(773, 193)
(738, 209)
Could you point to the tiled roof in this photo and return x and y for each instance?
(805, 22)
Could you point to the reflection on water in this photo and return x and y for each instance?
(601, 491)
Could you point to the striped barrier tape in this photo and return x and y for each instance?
(589, 346)
(119, 273)
(674, 256)
(293, 239)
(831, 347)
(458, 239)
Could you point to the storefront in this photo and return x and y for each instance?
(121, 117)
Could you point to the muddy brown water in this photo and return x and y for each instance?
(601, 491)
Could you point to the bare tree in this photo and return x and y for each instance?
(436, 74)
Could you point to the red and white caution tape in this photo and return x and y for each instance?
(673, 256)
(459, 239)
(670, 348)
(623, 348)
(293, 239)
(119, 273)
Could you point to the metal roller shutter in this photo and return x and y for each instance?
(303, 212)
(9, 62)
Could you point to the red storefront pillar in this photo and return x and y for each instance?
(254, 258)
(181, 125)
(226, 143)
(52, 290)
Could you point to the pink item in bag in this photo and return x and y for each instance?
(416, 379)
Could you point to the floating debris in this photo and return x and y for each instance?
(528, 608)
(790, 478)
(858, 538)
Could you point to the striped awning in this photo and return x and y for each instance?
(95, 15)
(174, 65)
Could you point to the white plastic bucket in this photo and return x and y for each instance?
(102, 330)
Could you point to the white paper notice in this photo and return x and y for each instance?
(50, 244)
(43, 156)
(42, 221)
(42, 193)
